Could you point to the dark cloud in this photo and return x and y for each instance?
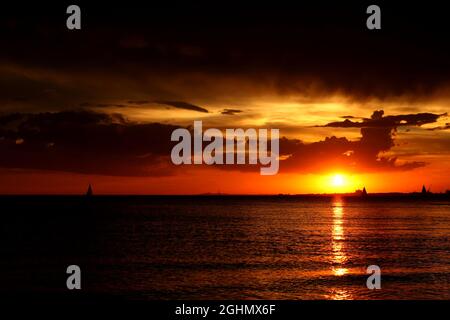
(378, 120)
(182, 105)
(133, 42)
(138, 102)
(338, 154)
(230, 112)
(314, 49)
(366, 154)
(85, 142)
(174, 104)
(109, 144)
(102, 105)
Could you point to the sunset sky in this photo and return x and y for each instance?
(355, 107)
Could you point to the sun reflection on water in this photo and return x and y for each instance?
(339, 256)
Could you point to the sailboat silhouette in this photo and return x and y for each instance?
(89, 192)
(424, 190)
(364, 192)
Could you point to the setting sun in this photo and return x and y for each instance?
(338, 180)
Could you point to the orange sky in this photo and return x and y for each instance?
(296, 120)
(197, 181)
(98, 105)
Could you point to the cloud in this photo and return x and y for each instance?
(445, 127)
(182, 105)
(138, 102)
(102, 105)
(133, 42)
(109, 144)
(366, 154)
(313, 57)
(230, 112)
(85, 142)
(379, 120)
(341, 154)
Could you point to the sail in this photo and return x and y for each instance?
(89, 191)
(364, 192)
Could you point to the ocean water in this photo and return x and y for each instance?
(219, 247)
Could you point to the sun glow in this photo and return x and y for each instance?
(335, 182)
(338, 180)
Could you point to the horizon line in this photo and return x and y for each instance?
(228, 194)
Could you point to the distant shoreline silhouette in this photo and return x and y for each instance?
(352, 196)
(424, 194)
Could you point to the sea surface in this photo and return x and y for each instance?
(226, 247)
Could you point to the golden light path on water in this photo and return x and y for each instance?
(339, 256)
